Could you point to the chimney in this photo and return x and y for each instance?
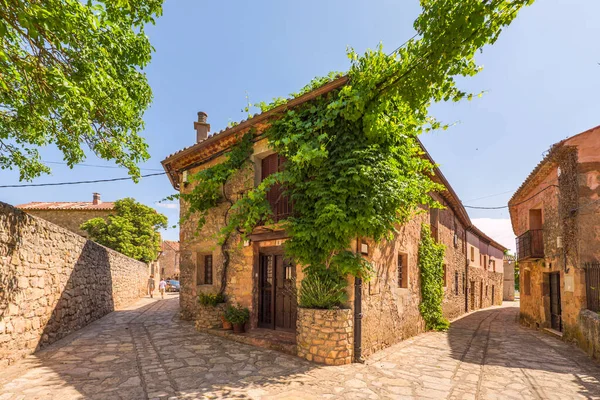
(96, 200)
(202, 127)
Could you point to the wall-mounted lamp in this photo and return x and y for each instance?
(246, 243)
(364, 248)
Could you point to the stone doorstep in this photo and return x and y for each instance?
(553, 332)
(284, 342)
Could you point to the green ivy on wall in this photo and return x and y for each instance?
(431, 261)
(355, 167)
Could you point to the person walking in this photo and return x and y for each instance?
(161, 288)
(151, 286)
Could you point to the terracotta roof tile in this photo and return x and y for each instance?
(172, 244)
(66, 205)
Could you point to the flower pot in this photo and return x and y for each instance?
(226, 324)
(238, 328)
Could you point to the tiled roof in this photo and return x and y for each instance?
(65, 205)
(172, 244)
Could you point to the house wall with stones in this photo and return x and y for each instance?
(566, 187)
(53, 282)
(196, 243)
(169, 261)
(509, 279)
(70, 219)
(390, 311)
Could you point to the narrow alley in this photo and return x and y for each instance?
(145, 351)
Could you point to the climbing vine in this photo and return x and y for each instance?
(355, 167)
(431, 261)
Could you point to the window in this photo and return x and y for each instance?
(456, 283)
(402, 270)
(281, 205)
(472, 254)
(463, 284)
(485, 263)
(526, 282)
(486, 290)
(494, 265)
(444, 275)
(208, 269)
(288, 271)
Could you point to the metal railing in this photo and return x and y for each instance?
(530, 244)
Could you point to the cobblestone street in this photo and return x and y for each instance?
(147, 352)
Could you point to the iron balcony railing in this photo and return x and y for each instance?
(530, 245)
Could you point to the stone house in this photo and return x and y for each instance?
(509, 278)
(169, 259)
(555, 215)
(70, 215)
(385, 310)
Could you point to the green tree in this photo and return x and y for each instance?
(133, 231)
(71, 75)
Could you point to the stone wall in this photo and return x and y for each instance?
(390, 310)
(325, 336)
(169, 261)
(209, 317)
(589, 333)
(70, 219)
(53, 282)
(195, 243)
(509, 281)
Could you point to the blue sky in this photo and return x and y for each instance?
(542, 83)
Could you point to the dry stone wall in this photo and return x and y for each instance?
(210, 316)
(325, 336)
(53, 282)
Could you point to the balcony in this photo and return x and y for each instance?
(530, 245)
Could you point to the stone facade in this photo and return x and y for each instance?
(325, 336)
(169, 260)
(589, 328)
(509, 279)
(390, 308)
(209, 317)
(560, 199)
(54, 282)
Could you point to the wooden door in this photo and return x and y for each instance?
(555, 307)
(493, 294)
(472, 295)
(277, 303)
(481, 294)
(266, 291)
(285, 294)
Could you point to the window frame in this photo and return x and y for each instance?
(402, 270)
(208, 276)
(526, 282)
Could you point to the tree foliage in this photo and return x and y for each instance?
(133, 231)
(355, 167)
(71, 75)
(431, 267)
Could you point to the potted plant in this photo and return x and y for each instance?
(237, 316)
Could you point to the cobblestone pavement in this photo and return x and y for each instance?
(146, 352)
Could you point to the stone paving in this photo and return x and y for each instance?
(147, 352)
